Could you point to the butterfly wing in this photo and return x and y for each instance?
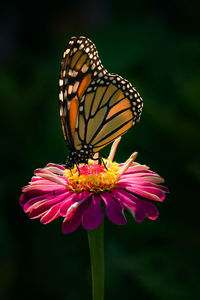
(110, 107)
(95, 107)
(80, 64)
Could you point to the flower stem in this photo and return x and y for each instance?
(96, 245)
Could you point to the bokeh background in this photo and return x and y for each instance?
(155, 45)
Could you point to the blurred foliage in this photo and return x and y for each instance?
(156, 47)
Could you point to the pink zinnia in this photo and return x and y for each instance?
(78, 194)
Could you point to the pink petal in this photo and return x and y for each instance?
(114, 210)
(46, 174)
(93, 215)
(41, 187)
(51, 214)
(73, 219)
(144, 177)
(55, 166)
(42, 208)
(75, 197)
(146, 192)
(141, 208)
(29, 195)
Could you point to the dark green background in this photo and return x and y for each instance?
(155, 45)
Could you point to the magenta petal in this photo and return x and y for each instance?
(93, 215)
(140, 208)
(29, 195)
(149, 193)
(51, 214)
(114, 210)
(75, 197)
(55, 165)
(73, 219)
(45, 206)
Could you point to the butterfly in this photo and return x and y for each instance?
(96, 107)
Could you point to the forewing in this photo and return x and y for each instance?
(79, 67)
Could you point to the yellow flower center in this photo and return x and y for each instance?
(93, 177)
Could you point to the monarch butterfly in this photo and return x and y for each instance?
(96, 107)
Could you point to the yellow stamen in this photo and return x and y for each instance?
(93, 177)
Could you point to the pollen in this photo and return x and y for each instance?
(93, 177)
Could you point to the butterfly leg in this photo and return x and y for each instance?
(78, 170)
(101, 158)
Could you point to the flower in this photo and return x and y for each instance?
(79, 194)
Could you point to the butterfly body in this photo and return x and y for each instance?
(96, 107)
(79, 156)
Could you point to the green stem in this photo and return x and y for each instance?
(96, 245)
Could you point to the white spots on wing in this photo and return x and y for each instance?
(70, 87)
(93, 66)
(68, 105)
(81, 108)
(87, 50)
(91, 56)
(81, 46)
(89, 89)
(82, 99)
(60, 82)
(75, 87)
(66, 52)
(76, 123)
(84, 68)
(61, 96)
(100, 74)
(61, 110)
(95, 73)
(72, 73)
